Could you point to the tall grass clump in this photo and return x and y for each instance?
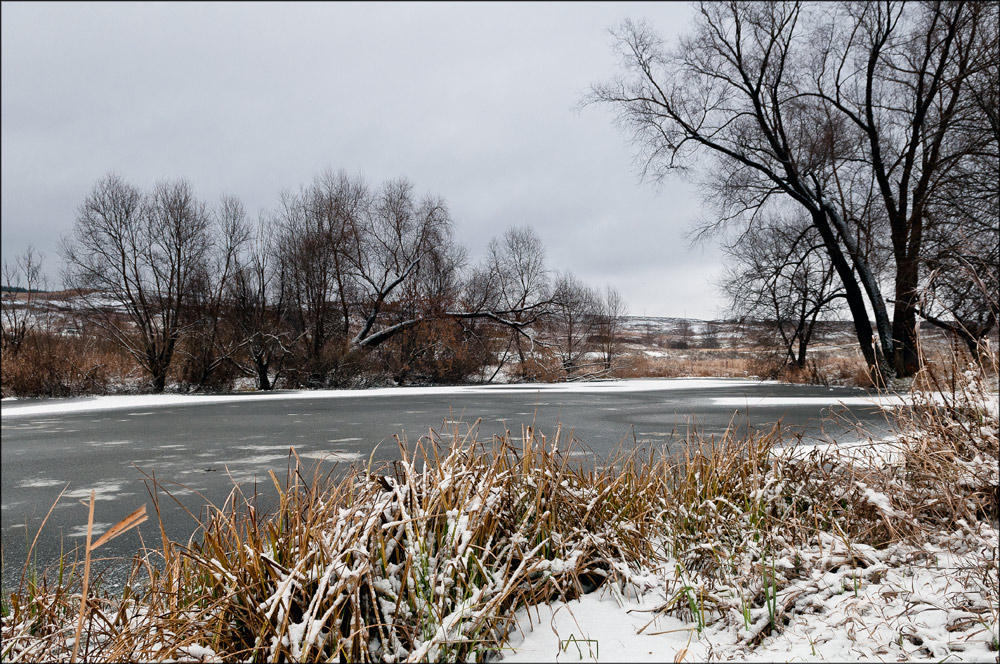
(425, 560)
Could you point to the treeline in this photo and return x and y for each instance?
(344, 283)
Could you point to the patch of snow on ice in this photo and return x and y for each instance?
(81, 531)
(39, 483)
(332, 456)
(102, 491)
(874, 401)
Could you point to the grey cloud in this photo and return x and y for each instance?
(473, 102)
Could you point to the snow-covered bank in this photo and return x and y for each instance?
(930, 595)
(902, 603)
(59, 406)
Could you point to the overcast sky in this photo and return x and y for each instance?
(472, 102)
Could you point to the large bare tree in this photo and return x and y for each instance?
(133, 259)
(856, 112)
(779, 277)
(903, 79)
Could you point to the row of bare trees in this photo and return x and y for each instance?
(850, 148)
(343, 282)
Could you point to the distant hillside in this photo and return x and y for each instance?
(18, 289)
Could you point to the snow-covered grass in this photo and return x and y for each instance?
(900, 603)
(737, 548)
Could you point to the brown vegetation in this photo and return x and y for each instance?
(53, 365)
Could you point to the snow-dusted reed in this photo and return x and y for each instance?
(464, 549)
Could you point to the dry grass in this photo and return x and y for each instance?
(50, 365)
(685, 363)
(834, 366)
(429, 557)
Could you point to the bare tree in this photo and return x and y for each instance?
(435, 348)
(962, 295)
(387, 262)
(208, 345)
(258, 308)
(779, 277)
(961, 286)
(609, 324)
(365, 266)
(309, 253)
(684, 333)
(394, 238)
(24, 278)
(903, 78)
(573, 320)
(513, 279)
(853, 112)
(710, 335)
(133, 259)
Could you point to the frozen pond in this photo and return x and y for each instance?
(199, 445)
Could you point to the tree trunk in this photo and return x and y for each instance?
(159, 381)
(807, 336)
(855, 301)
(869, 283)
(263, 380)
(904, 319)
(972, 343)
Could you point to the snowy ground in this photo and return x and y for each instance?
(907, 604)
(854, 603)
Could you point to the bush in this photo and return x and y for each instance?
(437, 351)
